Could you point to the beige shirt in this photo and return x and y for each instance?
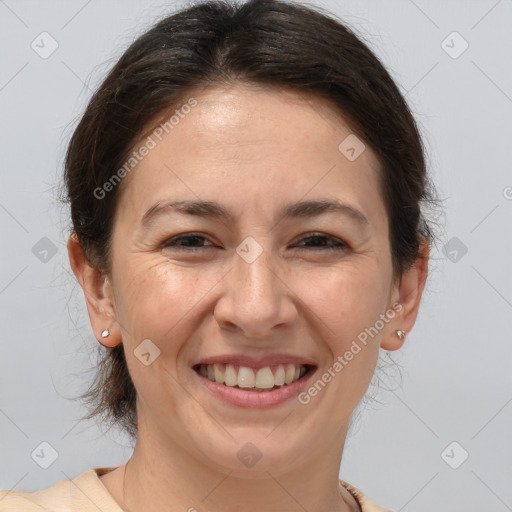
(86, 493)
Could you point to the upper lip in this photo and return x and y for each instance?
(256, 362)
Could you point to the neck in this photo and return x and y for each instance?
(156, 479)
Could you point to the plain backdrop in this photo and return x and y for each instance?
(452, 60)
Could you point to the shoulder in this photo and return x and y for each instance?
(366, 504)
(84, 493)
(17, 501)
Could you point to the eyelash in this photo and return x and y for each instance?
(171, 242)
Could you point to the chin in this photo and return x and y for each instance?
(253, 460)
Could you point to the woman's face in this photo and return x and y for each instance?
(237, 281)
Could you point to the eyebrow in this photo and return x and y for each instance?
(211, 209)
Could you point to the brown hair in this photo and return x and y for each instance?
(271, 42)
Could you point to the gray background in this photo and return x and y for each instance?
(456, 364)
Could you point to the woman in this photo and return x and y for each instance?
(246, 192)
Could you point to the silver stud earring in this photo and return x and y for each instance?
(105, 333)
(400, 334)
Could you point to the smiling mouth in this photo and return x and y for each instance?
(267, 378)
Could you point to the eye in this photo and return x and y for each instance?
(193, 242)
(324, 243)
(190, 241)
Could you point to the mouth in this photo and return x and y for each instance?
(255, 379)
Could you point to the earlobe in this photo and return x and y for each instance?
(409, 291)
(394, 336)
(398, 338)
(401, 334)
(98, 295)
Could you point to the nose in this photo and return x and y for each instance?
(255, 298)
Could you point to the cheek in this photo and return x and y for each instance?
(350, 303)
(348, 298)
(160, 298)
(161, 302)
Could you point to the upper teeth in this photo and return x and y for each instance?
(245, 377)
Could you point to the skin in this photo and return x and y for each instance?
(252, 149)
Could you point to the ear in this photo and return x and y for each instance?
(98, 294)
(407, 292)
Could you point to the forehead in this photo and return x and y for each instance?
(252, 145)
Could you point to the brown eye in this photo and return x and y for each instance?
(324, 242)
(190, 241)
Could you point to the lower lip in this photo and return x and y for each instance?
(255, 399)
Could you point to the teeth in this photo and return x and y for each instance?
(279, 376)
(290, 374)
(264, 378)
(247, 378)
(230, 376)
(217, 372)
